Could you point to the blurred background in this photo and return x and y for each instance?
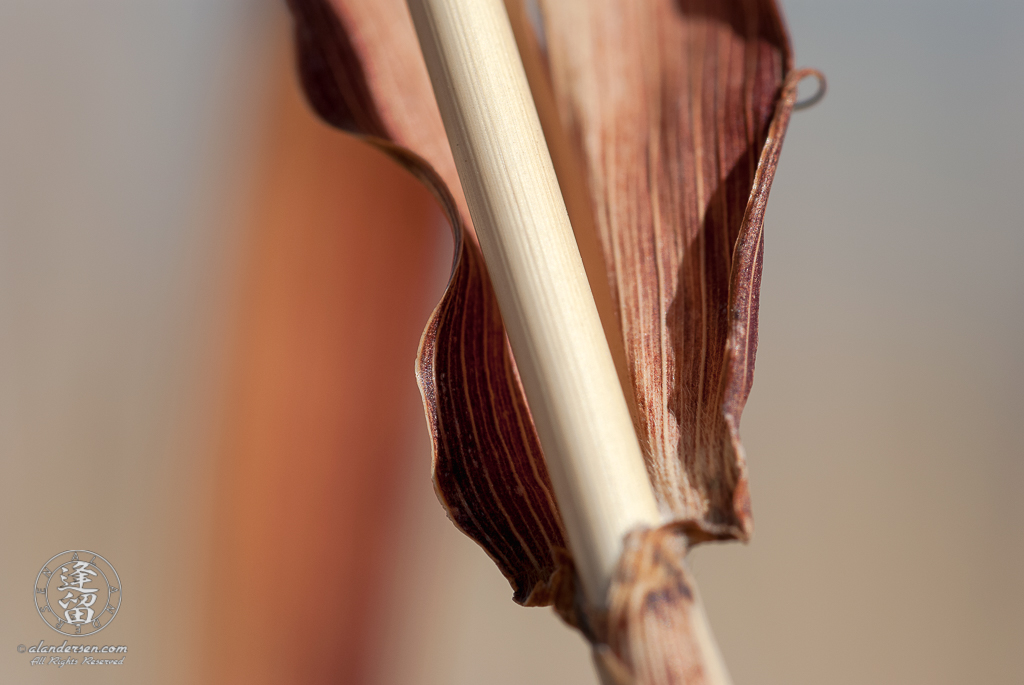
(210, 305)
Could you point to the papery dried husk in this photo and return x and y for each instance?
(666, 106)
(666, 118)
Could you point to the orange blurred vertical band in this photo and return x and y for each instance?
(341, 269)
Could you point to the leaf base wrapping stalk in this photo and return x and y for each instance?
(655, 631)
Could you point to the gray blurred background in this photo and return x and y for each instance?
(883, 432)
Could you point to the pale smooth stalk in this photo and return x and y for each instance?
(570, 380)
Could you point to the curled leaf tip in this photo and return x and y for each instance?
(819, 94)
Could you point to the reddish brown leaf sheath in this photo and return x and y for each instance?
(669, 114)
